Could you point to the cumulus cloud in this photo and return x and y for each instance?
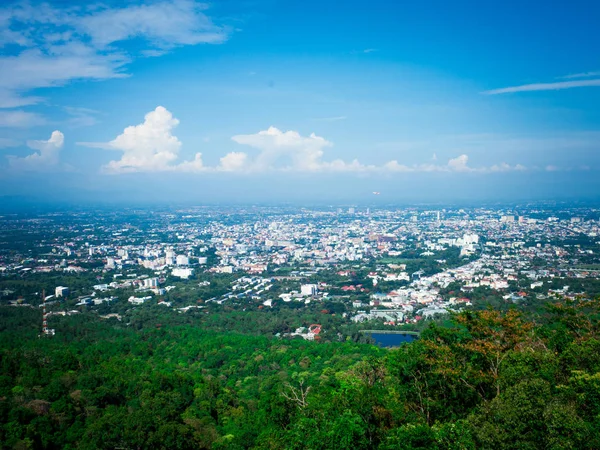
(460, 164)
(233, 162)
(339, 165)
(289, 151)
(148, 147)
(46, 157)
(503, 167)
(195, 165)
(152, 147)
(57, 44)
(296, 151)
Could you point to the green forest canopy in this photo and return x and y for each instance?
(488, 380)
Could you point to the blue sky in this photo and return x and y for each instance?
(315, 100)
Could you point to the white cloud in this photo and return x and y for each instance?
(581, 75)
(297, 152)
(60, 44)
(460, 164)
(20, 119)
(149, 147)
(544, 86)
(339, 165)
(34, 68)
(195, 165)
(233, 162)
(289, 151)
(47, 154)
(81, 117)
(12, 99)
(164, 24)
(152, 147)
(395, 166)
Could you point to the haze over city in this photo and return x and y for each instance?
(275, 101)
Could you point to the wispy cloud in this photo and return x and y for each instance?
(544, 86)
(330, 119)
(6, 143)
(81, 117)
(364, 51)
(20, 119)
(580, 75)
(53, 45)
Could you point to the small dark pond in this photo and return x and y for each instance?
(392, 340)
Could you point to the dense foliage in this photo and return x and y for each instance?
(488, 380)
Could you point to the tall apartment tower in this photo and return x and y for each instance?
(45, 330)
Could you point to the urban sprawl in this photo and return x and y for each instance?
(392, 267)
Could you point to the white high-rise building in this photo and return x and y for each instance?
(110, 263)
(182, 272)
(308, 289)
(151, 282)
(183, 260)
(61, 291)
(470, 238)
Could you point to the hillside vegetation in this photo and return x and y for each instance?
(489, 380)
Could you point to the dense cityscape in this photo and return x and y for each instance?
(376, 267)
